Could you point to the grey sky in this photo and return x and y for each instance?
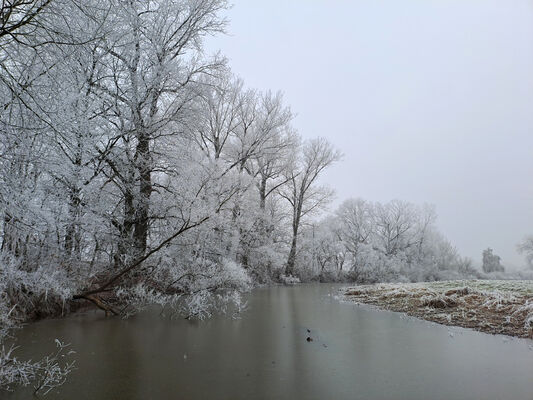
(431, 101)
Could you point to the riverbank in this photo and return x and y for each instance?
(490, 306)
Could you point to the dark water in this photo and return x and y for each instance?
(357, 353)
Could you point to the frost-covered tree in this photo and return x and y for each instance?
(136, 169)
(526, 248)
(302, 192)
(392, 241)
(19, 18)
(491, 262)
(148, 70)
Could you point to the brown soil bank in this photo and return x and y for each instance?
(498, 307)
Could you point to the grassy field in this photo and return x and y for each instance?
(491, 306)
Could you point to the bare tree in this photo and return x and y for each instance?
(148, 70)
(279, 144)
(302, 192)
(396, 226)
(220, 104)
(355, 224)
(16, 15)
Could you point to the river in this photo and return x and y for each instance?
(356, 353)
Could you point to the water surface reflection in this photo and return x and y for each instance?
(356, 353)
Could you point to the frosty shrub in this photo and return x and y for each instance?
(48, 373)
(219, 291)
(189, 290)
(137, 298)
(30, 294)
(289, 279)
(25, 295)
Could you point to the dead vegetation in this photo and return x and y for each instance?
(498, 308)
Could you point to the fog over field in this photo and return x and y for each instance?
(429, 101)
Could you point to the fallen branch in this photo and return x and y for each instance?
(116, 277)
(98, 303)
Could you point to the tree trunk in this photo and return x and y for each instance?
(289, 269)
(125, 244)
(145, 189)
(262, 193)
(72, 236)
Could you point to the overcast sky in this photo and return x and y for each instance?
(430, 101)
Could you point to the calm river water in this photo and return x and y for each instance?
(356, 353)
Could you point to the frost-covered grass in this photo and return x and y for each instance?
(492, 306)
(515, 286)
